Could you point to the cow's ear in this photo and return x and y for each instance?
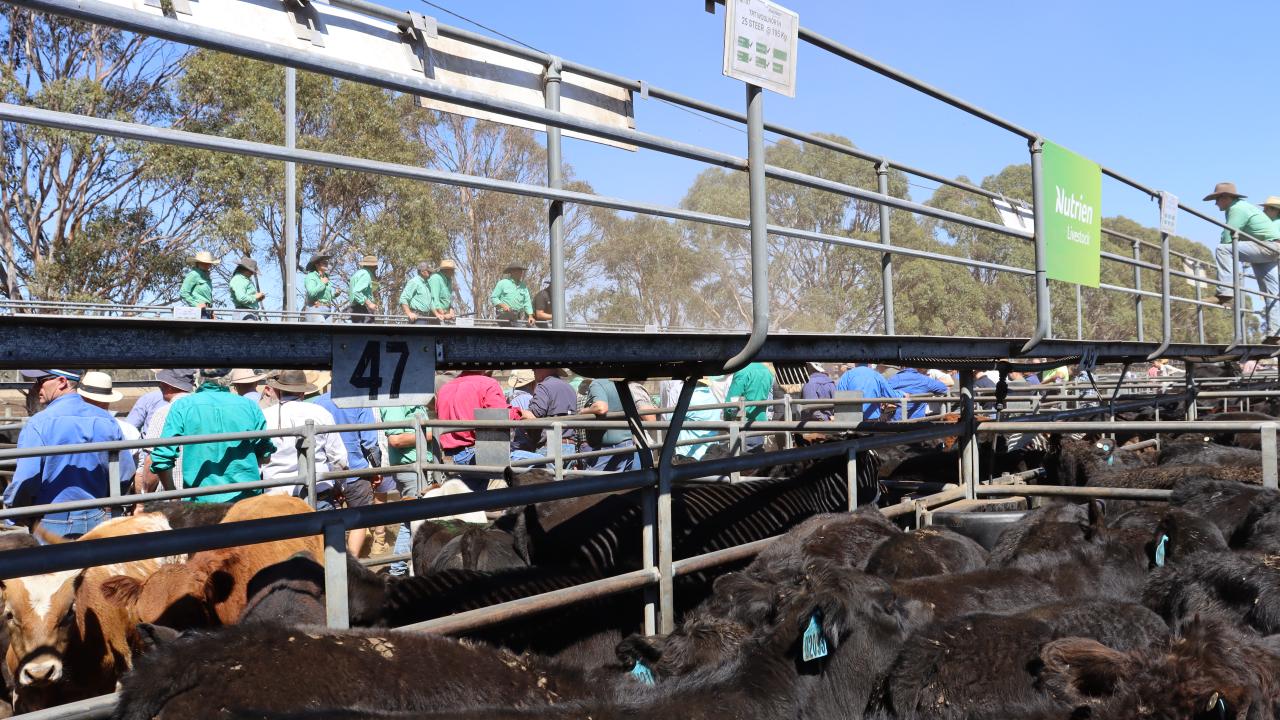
(1086, 667)
(151, 636)
(121, 589)
(639, 648)
(1097, 518)
(218, 586)
(510, 477)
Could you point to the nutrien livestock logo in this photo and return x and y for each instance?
(1072, 198)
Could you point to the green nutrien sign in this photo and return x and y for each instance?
(1072, 198)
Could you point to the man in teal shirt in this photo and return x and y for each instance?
(197, 287)
(362, 290)
(244, 291)
(415, 299)
(1261, 253)
(440, 285)
(753, 382)
(211, 409)
(402, 449)
(318, 290)
(511, 298)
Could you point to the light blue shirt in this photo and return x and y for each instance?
(871, 384)
(357, 442)
(145, 409)
(69, 420)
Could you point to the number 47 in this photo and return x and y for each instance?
(368, 372)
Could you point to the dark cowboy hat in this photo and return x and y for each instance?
(1223, 188)
(315, 259)
(249, 264)
(292, 381)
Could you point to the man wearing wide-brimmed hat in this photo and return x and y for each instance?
(363, 288)
(318, 292)
(415, 299)
(245, 295)
(290, 388)
(510, 297)
(440, 285)
(1259, 250)
(197, 286)
(1272, 208)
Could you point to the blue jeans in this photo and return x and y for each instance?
(407, 483)
(618, 462)
(1264, 263)
(565, 449)
(74, 523)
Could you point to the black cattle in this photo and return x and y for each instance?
(1165, 477)
(183, 514)
(1233, 507)
(927, 551)
(1198, 450)
(429, 538)
(1079, 462)
(1250, 440)
(1240, 588)
(292, 593)
(999, 590)
(1049, 527)
(501, 547)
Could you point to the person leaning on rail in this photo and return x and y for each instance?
(318, 291)
(245, 295)
(510, 297)
(362, 290)
(66, 419)
(1262, 253)
(1272, 210)
(440, 286)
(197, 286)
(415, 299)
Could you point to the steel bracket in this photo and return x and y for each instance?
(306, 21)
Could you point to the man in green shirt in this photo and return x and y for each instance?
(245, 295)
(1272, 209)
(318, 291)
(753, 382)
(197, 287)
(415, 299)
(440, 285)
(511, 298)
(602, 398)
(363, 288)
(1261, 252)
(402, 449)
(211, 409)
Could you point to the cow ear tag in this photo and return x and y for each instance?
(641, 672)
(814, 645)
(1161, 550)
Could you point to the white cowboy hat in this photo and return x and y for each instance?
(97, 386)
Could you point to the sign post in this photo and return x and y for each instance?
(760, 43)
(1072, 198)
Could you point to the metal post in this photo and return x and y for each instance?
(1199, 308)
(759, 216)
(1079, 313)
(555, 208)
(1044, 319)
(886, 260)
(1166, 303)
(851, 478)
(337, 616)
(307, 460)
(666, 599)
(113, 473)
(968, 441)
(1269, 455)
(1237, 312)
(556, 445)
(1190, 381)
(788, 414)
(420, 448)
(289, 271)
(735, 445)
(651, 529)
(1137, 299)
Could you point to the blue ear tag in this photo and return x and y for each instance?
(641, 672)
(1161, 550)
(814, 645)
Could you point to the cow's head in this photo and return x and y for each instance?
(176, 596)
(39, 613)
(702, 642)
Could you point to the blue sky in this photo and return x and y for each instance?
(1163, 93)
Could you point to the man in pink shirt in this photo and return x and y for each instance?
(459, 399)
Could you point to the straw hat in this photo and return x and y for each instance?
(520, 378)
(292, 381)
(514, 266)
(315, 259)
(249, 264)
(319, 378)
(204, 256)
(447, 265)
(97, 386)
(244, 376)
(1223, 188)
(368, 261)
(1273, 201)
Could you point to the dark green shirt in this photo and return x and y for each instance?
(244, 294)
(753, 382)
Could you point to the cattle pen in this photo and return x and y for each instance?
(48, 334)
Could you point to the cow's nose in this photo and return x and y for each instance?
(41, 673)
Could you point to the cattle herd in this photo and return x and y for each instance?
(1116, 609)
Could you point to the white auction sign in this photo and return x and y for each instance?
(1168, 213)
(1015, 216)
(383, 370)
(760, 43)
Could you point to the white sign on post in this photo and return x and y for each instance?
(383, 370)
(1015, 216)
(1168, 213)
(760, 43)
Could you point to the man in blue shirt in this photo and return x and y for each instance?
(820, 386)
(362, 446)
(865, 379)
(910, 381)
(65, 420)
